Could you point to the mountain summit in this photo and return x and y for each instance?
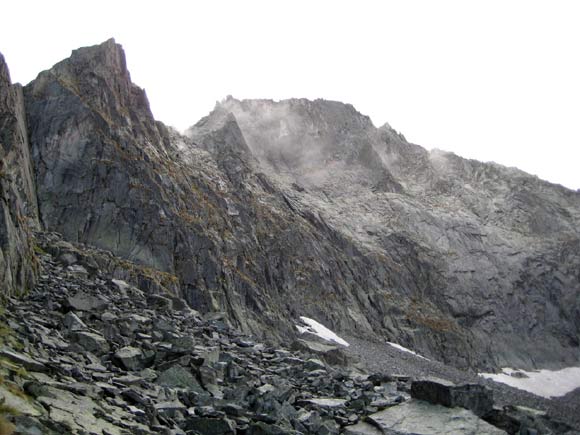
(268, 211)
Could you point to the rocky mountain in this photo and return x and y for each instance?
(267, 211)
(488, 254)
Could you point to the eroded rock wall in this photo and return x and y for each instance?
(18, 211)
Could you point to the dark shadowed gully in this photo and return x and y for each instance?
(153, 280)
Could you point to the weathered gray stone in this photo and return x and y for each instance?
(330, 353)
(262, 428)
(374, 223)
(325, 402)
(17, 402)
(80, 414)
(170, 409)
(362, 428)
(314, 364)
(85, 302)
(178, 377)
(130, 358)
(23, 360)
(91, 342)
(211, 426)
(477, 398)
(519, 419)
(73, 322)
(328, 427)
(421, 418)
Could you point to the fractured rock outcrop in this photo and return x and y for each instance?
(267, 211)
(18, 212)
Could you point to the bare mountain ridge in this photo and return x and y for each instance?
(271, 210)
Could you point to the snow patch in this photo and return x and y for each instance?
(313, 327)
(404, 349)
(545, 383)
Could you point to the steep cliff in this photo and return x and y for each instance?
(18, 212)
(497, 248)
(272, 210)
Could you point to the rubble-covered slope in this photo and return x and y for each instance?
(91, 351)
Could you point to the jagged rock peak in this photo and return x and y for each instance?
(308, 137)
(4, 72)
(391, 132)
(98, 75)
(328, 111)
(219, 132)
(108, 55)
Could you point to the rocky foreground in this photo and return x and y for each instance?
(97, 348)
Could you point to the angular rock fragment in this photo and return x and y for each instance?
(416, 417)
(23, 360)
(475, 397)
(211, 426)
(91, 342)
(86, 302)
(73, 322)
(130, 358)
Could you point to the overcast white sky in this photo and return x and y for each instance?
(491, 80)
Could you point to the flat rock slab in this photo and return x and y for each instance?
(78, 413)
(323, 402)
(23, 406)
(92, 342)
(362, 428)
(85, 302)
(421, 418)
(24, 360)
(331, 354)
(179, 377)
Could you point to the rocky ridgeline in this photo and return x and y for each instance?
(267, 211)
(88, 353)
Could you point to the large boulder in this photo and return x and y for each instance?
(421, 418)
(475, 397)
(130, 358)
(91, 342)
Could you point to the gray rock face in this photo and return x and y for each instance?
(90, 126)
(91, 342)
(486, 254)
(476, 398)
(271, 210)
(198, 212)
(130, 358)
(421, 418)
(85, 302)
(18, 211)
(24, 360)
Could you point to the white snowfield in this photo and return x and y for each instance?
(404, 349)
(545, 383)
(313, 327)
